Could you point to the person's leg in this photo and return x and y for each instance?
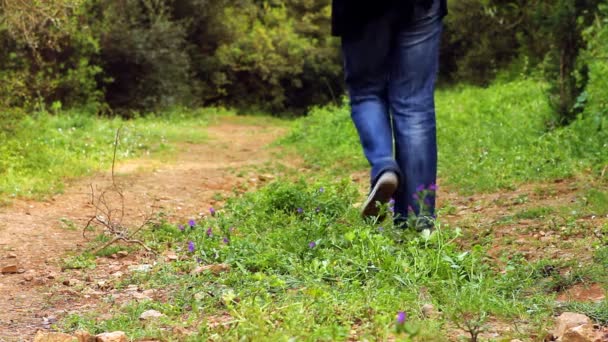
(412, 77)
(366, 67)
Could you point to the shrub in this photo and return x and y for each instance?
(144, 55)
(48, 54)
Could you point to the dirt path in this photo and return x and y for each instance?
(35, 236)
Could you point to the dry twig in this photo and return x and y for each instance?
(108, 216)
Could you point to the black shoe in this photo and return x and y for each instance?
(382, 191)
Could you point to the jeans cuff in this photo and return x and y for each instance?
(378, 170)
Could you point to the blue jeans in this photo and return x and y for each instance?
(390, 73)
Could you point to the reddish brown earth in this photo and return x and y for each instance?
(36, 235)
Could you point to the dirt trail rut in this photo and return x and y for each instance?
(35, 235)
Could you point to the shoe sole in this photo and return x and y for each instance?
(382, 192)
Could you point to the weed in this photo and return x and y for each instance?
(596, 311)
(601, 256)
(68, 224)
(534, 213)
(82, 261)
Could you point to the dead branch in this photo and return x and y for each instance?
(109, 212)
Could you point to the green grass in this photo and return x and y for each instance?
(39, 152)
(489, 138)
(356, 276)
(304, 266)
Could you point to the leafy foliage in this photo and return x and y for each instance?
(144, 55)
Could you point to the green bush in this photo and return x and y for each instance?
(47, 55)
(144, 56)
(595, 56)
(276, 59)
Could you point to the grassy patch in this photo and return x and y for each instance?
(489, 138)
(303, 265)
(40, 151)
(81, 261)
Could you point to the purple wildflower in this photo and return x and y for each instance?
(427, 201)
(380, 229)
(191, 223)
(401, 317)
(321, 189)
(209, 232)
(392, 201)
(433, 187)
(300, 210)
(410, 209)
(317, 209)
(415, 197)
(212, 211)
(191, 247)
(181, 227)
(199, 260)
(226, 240)
(312, 244)
(420, 188)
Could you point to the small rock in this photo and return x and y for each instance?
(117, 336)
(149, 293)
(71, 282)
(583, 333)
(569, 320)
(85, 336)
(140, 296)
(40, 281)
(117, 274)
(11, 256)
(28, 277)
(10, 269)
(150, 315)
(132, 288)
(49, 320)
(104, 285)
(428, 310)
(115, 268)
(52, 275)
(215, 269)
(42, 336)
(172, 257)
(122, 254)
(266, 177)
